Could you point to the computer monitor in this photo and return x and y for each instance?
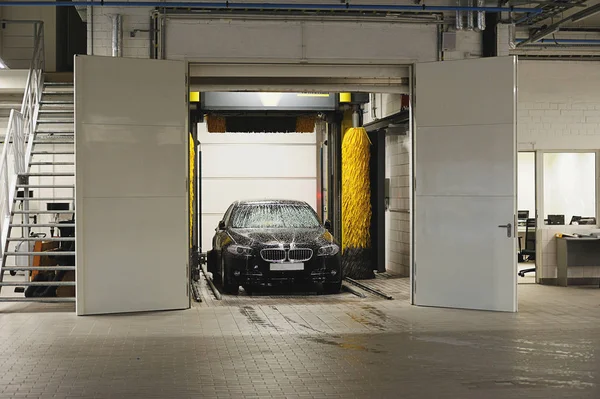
(556, 220)
(575, 220)
(522, 215)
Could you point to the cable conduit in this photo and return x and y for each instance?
(270, 6)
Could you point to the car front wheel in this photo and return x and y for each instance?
(229, 287)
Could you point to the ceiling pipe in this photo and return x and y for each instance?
(578, 16)
(270, 6)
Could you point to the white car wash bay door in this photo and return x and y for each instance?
(131, 172)
(465, 176)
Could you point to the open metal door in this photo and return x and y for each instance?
(465, 184)
(132, 221)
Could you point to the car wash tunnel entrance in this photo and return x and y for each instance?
(290, 192)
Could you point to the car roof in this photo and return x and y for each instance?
(271, 202)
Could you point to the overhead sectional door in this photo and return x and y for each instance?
(465, 194)
(131, 185)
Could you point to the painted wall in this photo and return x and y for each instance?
(234, 39)
(526, 182)
(242, 166)
(17, 39)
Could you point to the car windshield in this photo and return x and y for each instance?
(273, 216)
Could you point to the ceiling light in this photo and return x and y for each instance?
(270, 99)
(585, 15)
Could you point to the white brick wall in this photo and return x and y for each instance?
(468, 45)
(133, 18)
(398, 170)
(558, 105)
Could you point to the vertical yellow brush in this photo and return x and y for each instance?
(191, 185)
(356, 204)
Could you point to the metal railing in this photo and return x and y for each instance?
(18, 141)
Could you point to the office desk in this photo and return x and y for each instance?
(576, 251)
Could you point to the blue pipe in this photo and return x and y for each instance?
(269, 6)
(562, 41)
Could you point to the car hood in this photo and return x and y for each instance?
(281, 237)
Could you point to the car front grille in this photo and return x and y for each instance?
(273, 255)
(282, 255)
(300, 254)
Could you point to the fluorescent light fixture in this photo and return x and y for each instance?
(584, 16)
(545, 33)
(2, 64)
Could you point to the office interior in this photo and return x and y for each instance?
(557, 201)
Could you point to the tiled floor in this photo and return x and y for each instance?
(309, 347)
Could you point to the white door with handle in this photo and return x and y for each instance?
(465, 176)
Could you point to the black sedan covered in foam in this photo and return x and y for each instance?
(262, 243)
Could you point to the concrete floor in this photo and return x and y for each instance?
(303, 347)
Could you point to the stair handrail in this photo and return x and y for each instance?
(20, 132)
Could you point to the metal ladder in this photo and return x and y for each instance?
(52, 148)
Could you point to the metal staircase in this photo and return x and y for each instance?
(49, 179)
(37, 188)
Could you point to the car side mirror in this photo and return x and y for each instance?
(221, 225)
(327, 225)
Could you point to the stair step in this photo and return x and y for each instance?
(58, 90)
(58, 83)
(41, 268)
(18, 225)
(36, 283)
(49, 300)
(32, 212)
(45, 186)
(56, 121)
(56, 102)
(51, 142)
(45, 199)
(52, 152)
(33, 253)
(41, 239)
(55, 133)
(51, 163)
(49, 174)
(56, 111)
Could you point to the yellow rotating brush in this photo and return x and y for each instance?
(356, 204)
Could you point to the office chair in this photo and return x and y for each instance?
(529, 251)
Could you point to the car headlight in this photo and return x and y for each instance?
(328, 250)
(239, 250)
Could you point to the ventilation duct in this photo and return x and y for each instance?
(460, 23)
(117, 35)
(480, 16)
(470, 19)
(475, 19)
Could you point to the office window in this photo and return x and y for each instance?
(569, 186)
(526, 181)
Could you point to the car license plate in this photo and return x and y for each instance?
(279, 267)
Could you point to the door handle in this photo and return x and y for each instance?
(508, 228)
